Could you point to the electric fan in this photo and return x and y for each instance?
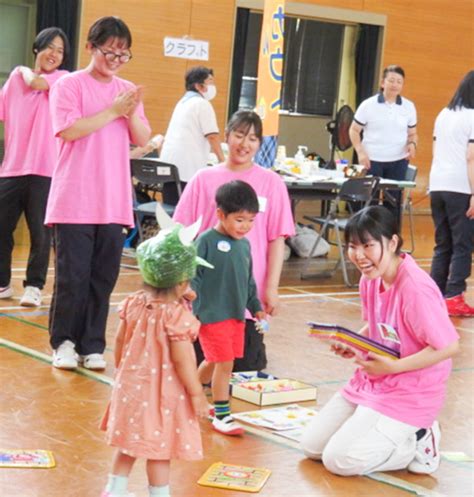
(339, 131)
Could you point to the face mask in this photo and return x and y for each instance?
(210, 93)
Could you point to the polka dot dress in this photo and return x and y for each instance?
(150, 415)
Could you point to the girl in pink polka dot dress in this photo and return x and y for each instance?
(157, 396)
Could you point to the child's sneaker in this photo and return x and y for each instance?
(6, 292)
(458, 307)
(427, 455)
(227, 426)
(65, 356)
(95, 362)
(31, 297)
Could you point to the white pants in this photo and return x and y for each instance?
(356, 440)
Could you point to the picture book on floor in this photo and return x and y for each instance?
(359, 343)
(14, 458)
(233, 477)
(280, 418)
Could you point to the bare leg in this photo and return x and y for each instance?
(220, 380)
(158, 472)
(205, 372)
(122, 464)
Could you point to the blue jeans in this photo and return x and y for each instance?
(451, 265)
(395, 170)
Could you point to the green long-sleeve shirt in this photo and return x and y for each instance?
(226, 291)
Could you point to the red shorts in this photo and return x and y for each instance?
(222, 341)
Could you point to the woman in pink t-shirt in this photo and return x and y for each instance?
(30, 153)
(384, 418)
(96, 116)
(273, 223)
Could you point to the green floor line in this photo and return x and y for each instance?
(101, 378)
(23, 321)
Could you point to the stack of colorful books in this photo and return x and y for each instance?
(351, 339)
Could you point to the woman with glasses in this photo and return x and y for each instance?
(25, 174)
(96, 116)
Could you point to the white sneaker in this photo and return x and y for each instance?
(93, 361)
(31, 297)
(427, 455)
(227, 426)
(65, 356)
(6, 292)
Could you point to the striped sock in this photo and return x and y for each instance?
(222, 408)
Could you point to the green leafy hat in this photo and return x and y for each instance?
(171, 256)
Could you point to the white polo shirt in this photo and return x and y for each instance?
(453, 131)
(185, 143)
(386, 127)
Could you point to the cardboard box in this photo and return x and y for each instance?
(270, 392)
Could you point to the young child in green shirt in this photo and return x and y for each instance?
(225, 293)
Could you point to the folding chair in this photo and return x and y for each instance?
(352, 190)
(152, 174)
(407, 205)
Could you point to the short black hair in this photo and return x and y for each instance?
(236, 196)
(197, 75)
(374, 222)
(46, 36)
(464, 95)
(243, 120)
(393, 68)
(109, 27)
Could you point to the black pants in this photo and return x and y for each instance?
(87, 268)
(395, 170)
(170, 192)
(255, 357)
(451, 265)
(25, 194)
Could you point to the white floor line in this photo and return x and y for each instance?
(468, 330)
(313, 294)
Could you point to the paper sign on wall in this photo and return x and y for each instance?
(184, 48)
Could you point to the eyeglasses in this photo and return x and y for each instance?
(111, 56)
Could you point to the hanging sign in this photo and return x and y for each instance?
(184, 48)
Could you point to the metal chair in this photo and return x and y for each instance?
(407, 205)
(152, 174)
(353, 190)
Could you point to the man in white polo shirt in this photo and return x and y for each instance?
(192, 132)
(388, 123)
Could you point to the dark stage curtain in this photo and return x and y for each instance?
(366, 55)
(240, 44)
(62, 14)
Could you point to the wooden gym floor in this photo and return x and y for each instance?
(43, 408)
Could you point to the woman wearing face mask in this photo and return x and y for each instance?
(192, 132)
(25, 174)
(96, 115)
(388, 123)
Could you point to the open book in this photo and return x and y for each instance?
(351, 339)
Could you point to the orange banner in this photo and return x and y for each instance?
(270, 65)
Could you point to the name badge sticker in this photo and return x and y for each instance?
(223, 246)
(262, 204)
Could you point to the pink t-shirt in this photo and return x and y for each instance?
(274, 219)
(91, 181)
(29, 141)
(416, 315)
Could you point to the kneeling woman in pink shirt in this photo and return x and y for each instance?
(384, 418)
(96, 115)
